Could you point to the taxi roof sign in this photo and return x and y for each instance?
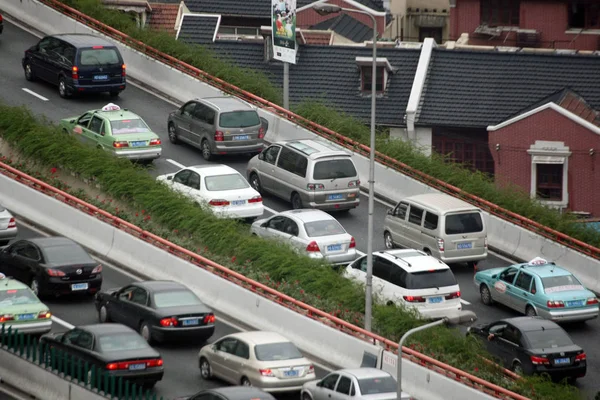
(111, 107)
(538, 261)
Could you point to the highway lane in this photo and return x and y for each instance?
(155, 110)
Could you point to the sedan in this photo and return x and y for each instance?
(354, 384)
(533, 345)
(230, 393)
(161, 310)
(265, 360)
(113, 348)
(52, 265)
(311, 232)
(220, 188)
(21, 310)
(8, 227)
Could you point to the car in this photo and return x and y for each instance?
(220, 188)
(411, 279)
(76, 63)
(311, 232)
(533, 345)
(230, 393)
(265, 360)
(538, 287)
(8, 227)
(113, 348)
(218, 126)
(21, 310)
(354, 384)
(118, 131)
(308, 173)
(159, 310)
(1, 23)
(52, 266)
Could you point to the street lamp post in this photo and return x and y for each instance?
(324, 9)
(461, 318)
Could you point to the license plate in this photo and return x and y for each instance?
(562, 360)
(577, 303)
(435, 299)
(100, 77)
(137, 367)
(238, 202)
(25, 317)
(79, 286)
(188, 322)
(290, 373)
(334, 247)
(138, 144)
(335, 197)
(461, 246)
(241, 137)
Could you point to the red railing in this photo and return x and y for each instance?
(263, 290)
(343, 141)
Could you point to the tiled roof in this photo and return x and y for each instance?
(242, 8)
(348, 27)
(198, 29)
(466, 88)
(376, 5)
(320, 38)
(577, 105)
(164, 16)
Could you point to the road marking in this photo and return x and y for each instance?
(465, 302)
(175, 163)
(62, 322)
(31, 92)
(385, 203)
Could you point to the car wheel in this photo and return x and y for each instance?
(246, 381)
(486, 296)
(4, 243)
(206, 153)
(172, 134)
(35, 286)
(114, 94)
(306, 396)
(205, 369)
(530, 311)
(103, 316)
(63, 91)
(296, 201)
(255, 182)
(427, 251)
(29, 75)
(145, 332)
(517, 368)
(387, 238)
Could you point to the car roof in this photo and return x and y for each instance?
(83, 39)
(45, 242)
(528, 324)
(413, 260)
(261, 337)
(106, 329)
(441, 202)
(365, 373)
(8, 283)
(226, 103)
(544, 271)
(315, 149)
(159, 286)
(212, 169)
(241, 392)
(116, 115)
(308, 215)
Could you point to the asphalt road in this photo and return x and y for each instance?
(154, 110)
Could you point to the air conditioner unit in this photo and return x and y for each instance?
(528, 39)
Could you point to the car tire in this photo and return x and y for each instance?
(34, 285)
(306, 396)
(486, 295)
(205, 369)
(4, 243)
(517, 368)
(387, 238)
(172, 134)
(427, 251)
(29, 74)
(296, 201)
(255, 182)
(245, 381)
(103, 315)
(206, 152)
(146, 332)
(63, 90)
(530, 311)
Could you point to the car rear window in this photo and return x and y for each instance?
(430, 279)
(327, 227)
(548, 338)
(13, 297)
(334, 169)
(385, 384)
(178, 298)
(239, 119)
(126, 126)
(66, 254)
(553, 284)
(121, 342)
(225, 182)
(276, 351)
(104, 56)
(457, 224)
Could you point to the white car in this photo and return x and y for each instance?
(8, 227)
(220, 188)
(412, 279)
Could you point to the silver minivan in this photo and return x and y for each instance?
(308, 173)
(441, 225)
(218, 126)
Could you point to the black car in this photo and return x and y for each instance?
(230, 393)
(76, 63)
(52, 266)
(159, 310)
(533, 345)
(114, 348)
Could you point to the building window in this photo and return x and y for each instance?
(475, 156)
(549, 182)
(500, 12)
(367, 77)
(584, 15)
(435, 33)
(237, 31)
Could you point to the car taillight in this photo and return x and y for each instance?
(44, 315)
(311, 369)
(261, 133)
(535, 360)
(580, 357)
(312, 247)
(158, 362)
(218, 203)
(414, 299)
(555, 304)
(590, 302)
(6, 317)
(256, 199)
(354, 184)
(0, 17)
(440, 243)
(154, 363)
(454, 295)
(123, 70)
(352, 243)
(119, 145)
(166, 322)
(315, 186)
(266, 372)
(219, 136)
(54, 272)
(97, 270)
(209, 319)
(12, 223)
(75, 72)
(155, 142)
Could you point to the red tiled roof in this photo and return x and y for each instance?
(319, 38)
(579, 107)
(164, 17)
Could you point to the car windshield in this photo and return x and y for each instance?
(126, 126)
(548, 338)
(328, 227)
(105, 56)
(66, 254)
(179, 298)
(457, 224)
(554, 284)
(239, 119)
(225, 182)
(14, 297)
(121, 342)
(430, 279)
(276, 351)
(385, 384)
(334, 169)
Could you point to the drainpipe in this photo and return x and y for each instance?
(417, 88)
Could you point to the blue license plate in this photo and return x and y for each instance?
(188, 322)
(335, 197)
(577, 303)
(100, 77)
(462, 246)
(290, 373)
(238, 202)
(334, 247)
(435, 299)
(241, 137)
(25, 317)
(79, 286)
(138, 144)
(137, 367)
(562, 360)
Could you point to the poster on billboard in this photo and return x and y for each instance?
(284, 30)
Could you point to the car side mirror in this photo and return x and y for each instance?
(390, 211)
(494, 276)
(169, 178)
(264, 225)
(320, 384)
(261, 156)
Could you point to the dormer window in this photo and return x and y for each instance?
(384, 69)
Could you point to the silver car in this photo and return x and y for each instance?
(354, 384)
(311, 232)
(8, 227)
(265, 360)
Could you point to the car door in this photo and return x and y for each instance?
(134, 308)
(203, 124)
(326, 388)
(223, 350)
(274, 227)
(81, 124)
(179, 181)
(291, 228)
(358, 269)
(26, 262)
(8, 259)
(116, 308)
(382, 270)
(57, 62)
(288, 177)
(194, 187)
(183, 121)
(507, 343)
(40, 63)
(521, 295)
(93, 132)
(396, 223)
(237, 362)
(66, 345)
(503, 287)
(342, 389)
(83, 346)
(412, 231)
(266, 168)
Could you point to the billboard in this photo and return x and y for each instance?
(284, 30)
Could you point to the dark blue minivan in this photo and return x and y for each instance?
(76, 63)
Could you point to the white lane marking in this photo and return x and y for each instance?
(465, 302)
(62, 322)
(31, 92)
(149, 91)
(385, 203)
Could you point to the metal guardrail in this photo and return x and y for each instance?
(326, 133)
(263, 290)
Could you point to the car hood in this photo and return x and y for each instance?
(181, 310)
(33, 308)
(489, 272)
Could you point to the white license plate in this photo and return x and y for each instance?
(100, 77)
(138, 144)
(335, 197)
(23, 317)
(435, 299)
(188, 322)
(241, 137)
(334, 247)
(290, 373)
(79, 286)
(238, 202)
(137, 367)
(562, 360)
(462, 246)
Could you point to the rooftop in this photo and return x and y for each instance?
(346, 26)
(527, 324)
(213, 169)
(308, 215)
(415, 260)
(158, 286)
(198, 28)
(106, 329)
(164, 16)
(84, 39)
(442, 202)
(229, 102)
(362, 373)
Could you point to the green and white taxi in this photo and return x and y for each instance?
(21, 310)
(117, 130)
